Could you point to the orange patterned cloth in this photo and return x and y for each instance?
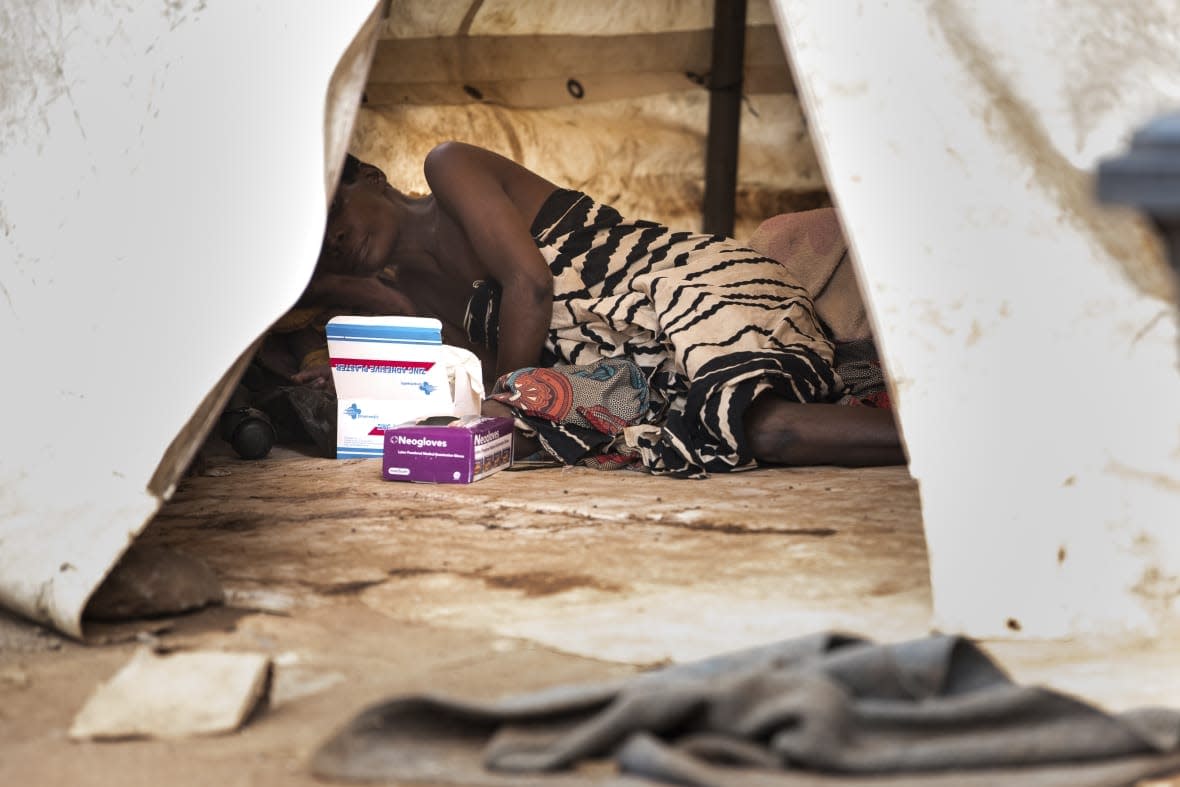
(579, 412)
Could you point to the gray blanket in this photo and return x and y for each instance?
(822, 710)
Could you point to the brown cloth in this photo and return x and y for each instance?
(821, 710)
(811, 245)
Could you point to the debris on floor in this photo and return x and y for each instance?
(150, 581)
(175, 695)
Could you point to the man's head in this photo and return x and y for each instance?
(362, 222)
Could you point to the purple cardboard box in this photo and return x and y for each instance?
(460, 452)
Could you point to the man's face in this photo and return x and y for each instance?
(362, 226)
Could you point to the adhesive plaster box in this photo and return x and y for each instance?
(465, 450)
(394, 370)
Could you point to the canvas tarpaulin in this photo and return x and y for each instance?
(163, 181)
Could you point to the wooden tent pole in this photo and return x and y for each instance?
(725, 107)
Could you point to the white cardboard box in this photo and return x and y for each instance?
(393, 370)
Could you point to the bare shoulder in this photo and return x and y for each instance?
(454, 168)
(453, 158)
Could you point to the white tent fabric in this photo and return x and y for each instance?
(1030, 331)
(162, 195)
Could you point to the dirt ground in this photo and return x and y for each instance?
(359, 589)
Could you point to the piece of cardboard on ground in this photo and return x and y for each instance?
(175, 695)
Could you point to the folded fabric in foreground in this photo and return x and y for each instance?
(827, 709)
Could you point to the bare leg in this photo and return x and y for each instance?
(789, 433)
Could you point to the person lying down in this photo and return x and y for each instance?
(613, 342)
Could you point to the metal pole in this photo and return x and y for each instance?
(725, 115)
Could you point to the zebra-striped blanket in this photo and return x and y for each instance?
(711, 324)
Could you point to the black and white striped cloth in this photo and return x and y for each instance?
(711, 324)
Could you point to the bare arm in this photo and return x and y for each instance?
(366, 294)
(494, 200)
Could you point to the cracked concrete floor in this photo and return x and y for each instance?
(361, 588)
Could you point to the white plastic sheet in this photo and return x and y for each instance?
(162, 190)
(1031, 332)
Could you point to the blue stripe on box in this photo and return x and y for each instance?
(401, 334)
(359, 453)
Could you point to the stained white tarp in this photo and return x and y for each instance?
(162, 195)
(1030, 331)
